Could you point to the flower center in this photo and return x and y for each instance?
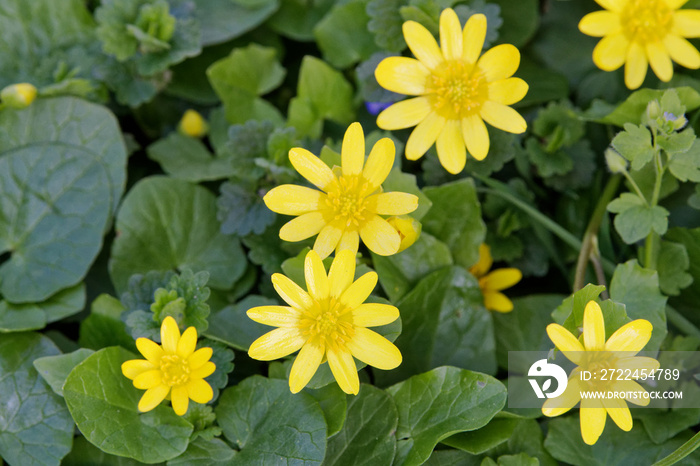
(458, 88)
(174, 369)
(327, 323)
(646, 21)
(347, 200)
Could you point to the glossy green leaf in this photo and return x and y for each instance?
(35, 426)
(205, 453)
(222, 20)
(267, 423)
(334, 403)
(520, 21)
(104, 327)
(296, 19)
(496, 432)
(96, 390)
(166, 224)
(85, 453)
(570, 313)
(232, 326)
(55, 369)
(32, 316)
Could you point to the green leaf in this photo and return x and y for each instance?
(661, 426)
(369, 433)
(570, 313)
(638, 289)
(520, 21)
(406, 182)
(690, 296)
(385, 24)
(232, 326)
(636, 219)
(165, 224)
(673, 265)
(558, 125)
(189, 159)
(268, 424)
(545, 85)
(494, 433)
(455, 219)
(333, 402)
(676, 143)
(32, 316)
(85, 453)
(35, 426)
(444, 323)
(322, 93)
(296, 19)
(103, 403)
(399, 273)
(548, 164)
(337, 34)
(434, 405)
(55, 369)
(203, 452)
(242, 211)
(223, 20)
(526, 438)
(634, 144)
(686, 165)
(104, 327)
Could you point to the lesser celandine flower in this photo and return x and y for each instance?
(329, 322)
(18, 96)
(350, 204)
(640, 32)
(409, 229)
(174, 369)
(457, 91)
(493, 283)
(593, 355)
(193, 125)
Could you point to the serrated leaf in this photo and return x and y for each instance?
(32, 316)
(686, 165)
(636, 219)
(223, 20)
(369, 433)
(548, 164)
(232, 326)
(677, 143)
(189, 159)
(96, 390)
(634, 144)
(35, 426)
(385, 24)
(673, 264)
(159, 208)
(434, 405)
(223, 358)
(267, 423)
(242, 212)
(55, 369)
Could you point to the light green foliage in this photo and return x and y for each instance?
(242, 212)
(202, 452)
(636, 219)
(104, 327)
(189, 159)
(222, 20)
(55, 369)
(634, 144)
(673, 268)
(232, 326)
(32, 316)
(570, 312)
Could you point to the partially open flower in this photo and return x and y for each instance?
(18, 95)
(492, 283)
(193, 125)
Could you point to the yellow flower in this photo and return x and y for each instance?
(19, 95)
(596, 354)
(457, 91)
(409, 229)
(193, 125)
(327, 324)
(640, 32)
(492, 283)
(175, 366)
(349, 205)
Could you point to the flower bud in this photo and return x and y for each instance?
(653, 110)
(616, 162)
(677, 122)
(193, 125)
(409, 230)
(18, 95)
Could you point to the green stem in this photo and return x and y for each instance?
(684, 450)
(592, 230)
(634, 185)
(681, 323)
(651, 244)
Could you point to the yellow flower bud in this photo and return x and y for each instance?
(193, 125)
(409, 230)
(19, 95)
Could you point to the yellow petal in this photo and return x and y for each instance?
(592, 420)
(290, 292)
(275, 316)
(380, 237)
(305, 366)
(199, 358)
(187, 343)
(495, 301)
(344, 370)
(425, 134)
(632, 336)
(675, 4)
(374, 350)
(482, 267)
(311, 167)
(150, 350)
(290, 199)
(302, 227)
(566, 342)
(153, 397)
(350, 241)
(342, 273)
(682, 51)
(503, 117)
(169, 335)
(316, 278)
(132, 368)
(379, 163)
(328, 239)
(450, 35)
(476, 136)
(373, 315)
(199, 391)
(508, 91)
(635, 66)
(499, 62)
(686, 23)
(600, 23)
(179, 400)
(637, 363)
(619, 413)
(612, 5)
(403, 75)
(660, 61)
(473, 37)
(450, 147)
(276, 344)
(393, 203)
(611, 52)
(353, 150)
(206, 370)
(148, 379)
(404, 114)
(501, 279)
(630, 387)
(557, 406)
(593, 327)
(358, 292)
(422, 44)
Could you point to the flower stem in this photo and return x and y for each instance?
(651, 244)
(683, 451)
(681, 323)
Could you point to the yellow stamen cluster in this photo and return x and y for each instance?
(175, 370)
(459, 89)
(327, 323)
(646, 21)
(347, 200)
